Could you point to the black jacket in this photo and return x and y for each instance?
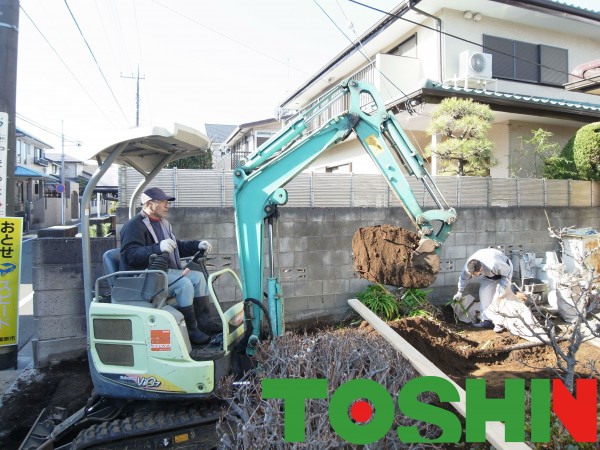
(137, 244)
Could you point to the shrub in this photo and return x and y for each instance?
(586, 151)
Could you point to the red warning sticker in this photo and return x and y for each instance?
(160, 340)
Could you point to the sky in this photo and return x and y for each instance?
(199, 61)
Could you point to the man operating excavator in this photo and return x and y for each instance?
(150, 233)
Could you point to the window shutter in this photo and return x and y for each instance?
(502, 55)
(526, 60)
(552, 58)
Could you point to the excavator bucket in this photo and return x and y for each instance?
(394, 256)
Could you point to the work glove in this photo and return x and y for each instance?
(168, 245)
(205, 245)
(457, 297)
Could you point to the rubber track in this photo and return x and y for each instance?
(144, 424)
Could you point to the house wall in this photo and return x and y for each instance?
(315, 244)
(580, 49)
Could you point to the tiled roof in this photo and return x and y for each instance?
(575, 6)
(591, 108)
(218, 132)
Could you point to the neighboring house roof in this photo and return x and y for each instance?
(218, 133)
(22, 134)
(24, 172)
(242, 129)
(585, 78)
(57, 157)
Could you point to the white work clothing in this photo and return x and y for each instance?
(495, 278)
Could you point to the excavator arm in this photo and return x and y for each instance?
(259, 182)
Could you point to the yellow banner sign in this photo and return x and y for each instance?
(11, 236)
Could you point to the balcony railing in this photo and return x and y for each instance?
(40, 161)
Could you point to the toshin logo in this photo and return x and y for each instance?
(362, 412)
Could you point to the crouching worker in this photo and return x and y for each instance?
(494, 271)
(148, 233)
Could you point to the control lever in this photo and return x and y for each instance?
(185, 272)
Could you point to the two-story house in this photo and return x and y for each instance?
(243, 140)
(517, 57)
(32, 176)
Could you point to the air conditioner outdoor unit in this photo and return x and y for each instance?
(475, 65)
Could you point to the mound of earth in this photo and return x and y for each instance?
(394, 256)
(462, 351)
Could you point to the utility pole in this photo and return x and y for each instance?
(137, 95)
(9, 38)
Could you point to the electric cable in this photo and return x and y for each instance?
(66, 66)
(48, 130)
(463, 39)
(96, 61)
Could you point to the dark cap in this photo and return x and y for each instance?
(155, 194)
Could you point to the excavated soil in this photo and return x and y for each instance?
(462, 351)
(384, 254)
(454, 349)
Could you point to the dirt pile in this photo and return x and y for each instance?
(388, 255)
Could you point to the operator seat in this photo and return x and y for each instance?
(111, 260)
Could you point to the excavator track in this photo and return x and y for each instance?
(191, 427)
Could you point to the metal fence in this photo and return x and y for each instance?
(210, 188)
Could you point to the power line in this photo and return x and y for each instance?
(463, 39)
(47, 130)
(242, 44)
(96, 61)
(66, 66)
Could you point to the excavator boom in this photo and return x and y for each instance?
(259, 182)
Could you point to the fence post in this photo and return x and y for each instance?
(457, 190)
(518, 186)
(174, 181)
(222, 188)
(312, 189)
(351, 189)
(489, 192)
(569, 192)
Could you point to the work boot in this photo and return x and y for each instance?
(196, 336)
(487, 324)
(203, 316)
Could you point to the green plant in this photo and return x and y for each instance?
(528, 161)
(464, 148)
(379, 300)
(414, 303)
(93, 231)
(105, 229)
(586, 151)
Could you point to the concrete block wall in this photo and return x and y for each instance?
(58, 299)
(314, 257)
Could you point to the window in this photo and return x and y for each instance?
(18, 151)
(523, 61)
(38, 153)
(406, 48)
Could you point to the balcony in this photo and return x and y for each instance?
(40, 161)
(403, 75)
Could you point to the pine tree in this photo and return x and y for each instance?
(463, 125)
